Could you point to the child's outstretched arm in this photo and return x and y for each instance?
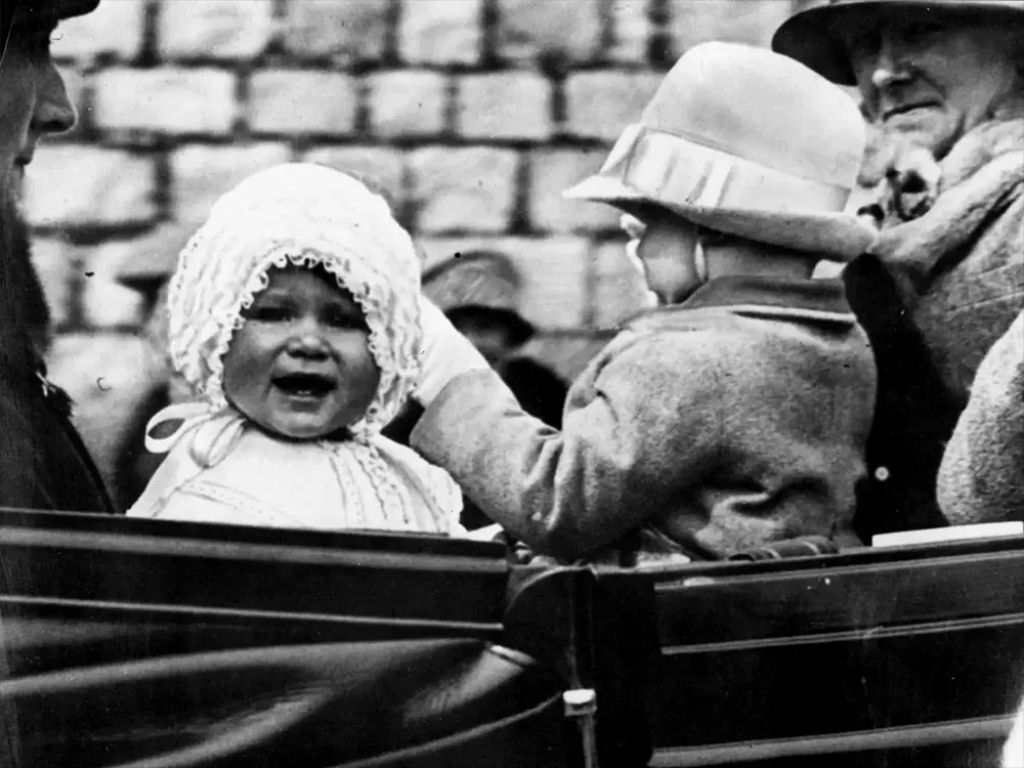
(571, 492)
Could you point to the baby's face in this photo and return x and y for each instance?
(301, 366)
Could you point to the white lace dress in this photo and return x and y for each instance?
(224, 470)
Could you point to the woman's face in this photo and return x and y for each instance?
(301, 366)
(934, 77)
(33, 100)
(666, 246)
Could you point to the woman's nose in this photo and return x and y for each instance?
(889, 65)
(54, 112)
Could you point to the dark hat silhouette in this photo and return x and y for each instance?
(479, 282)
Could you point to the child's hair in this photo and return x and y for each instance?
(304, 215)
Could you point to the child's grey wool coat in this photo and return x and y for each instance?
(735, 418)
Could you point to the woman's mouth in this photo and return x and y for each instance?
(903, 109)
(304, 385)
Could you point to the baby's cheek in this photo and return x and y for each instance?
(244, 361)
(371, 370)
(362, 371)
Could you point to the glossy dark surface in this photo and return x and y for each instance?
(200, 644)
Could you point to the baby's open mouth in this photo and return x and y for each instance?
(304, 384)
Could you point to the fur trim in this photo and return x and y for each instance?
(905, 180)
(981, 178)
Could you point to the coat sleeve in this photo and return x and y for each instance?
(44, 464)
(25, 483)
(634, 424)
(980, 476)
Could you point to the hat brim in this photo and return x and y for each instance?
(833, 236)
(613, 191)
(810, 38)
(603, 189)
(66, 9)
(48, 11)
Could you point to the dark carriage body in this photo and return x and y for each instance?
(151, 643)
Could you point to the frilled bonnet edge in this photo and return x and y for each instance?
(304, 215)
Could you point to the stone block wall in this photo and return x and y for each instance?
(474, 115)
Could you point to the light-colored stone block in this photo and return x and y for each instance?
(302, 101)
(407, 103)
(504, 105)
(168, 100)
(56, 262)
(554, 272)
(463, 189)
(108, 375)
(107, 303)
(219, 29)
(200, 173)
(538, 29)
(113, 29)
(347, 31)
(744, 21)
(599, 104)
(552, 171)
(380, 166)
(631, 30)
(619, 290)
(440, 31)
(150, 258)
(72, 185)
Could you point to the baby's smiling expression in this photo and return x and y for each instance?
(300, 366)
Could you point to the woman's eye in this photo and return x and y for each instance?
(917, 33)
(863, 45)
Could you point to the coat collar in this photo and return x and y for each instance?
(805, 300)
(814, 296)
(982, 179)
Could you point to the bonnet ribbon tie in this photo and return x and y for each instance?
(214, 432)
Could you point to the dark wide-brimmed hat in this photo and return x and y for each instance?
(746, 142)
(810, 36)
(23, 12)
(52, 9)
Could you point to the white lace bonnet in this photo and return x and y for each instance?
(305, 215)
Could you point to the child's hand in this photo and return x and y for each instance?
(444, 355)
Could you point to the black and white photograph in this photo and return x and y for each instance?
(511, 383)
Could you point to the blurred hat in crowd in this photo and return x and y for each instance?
(747, 142)
(810, 36)
(479, 281)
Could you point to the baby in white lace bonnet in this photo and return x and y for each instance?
(294, 315)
